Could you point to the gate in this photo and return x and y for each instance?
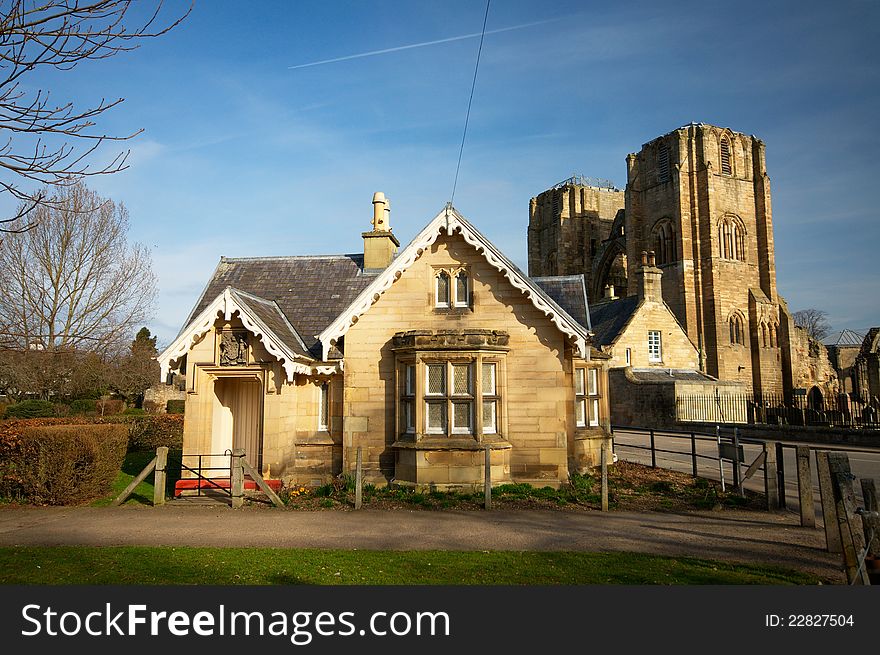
(202, 466)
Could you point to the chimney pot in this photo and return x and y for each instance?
(380, 245)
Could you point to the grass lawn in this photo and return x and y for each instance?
(267, 566)
(133, 464)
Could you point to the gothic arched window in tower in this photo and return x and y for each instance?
(731, 239)
(664, 242)
(617, 272)
(726, 168)
(737, 334)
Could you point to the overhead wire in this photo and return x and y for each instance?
(470, 102)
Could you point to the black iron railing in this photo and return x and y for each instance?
(774, 409)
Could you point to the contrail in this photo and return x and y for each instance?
(420, 45)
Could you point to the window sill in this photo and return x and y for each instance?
(457, 442)
(317, 439)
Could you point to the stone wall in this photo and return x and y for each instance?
(536, 382)
(811, 366)
(567, 226)
(677, 351)
(159, 394)
(692, 193)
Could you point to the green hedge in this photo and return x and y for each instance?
(62, 464)
(30, 409)
(82, 406)
(175, 406)
(151, 431)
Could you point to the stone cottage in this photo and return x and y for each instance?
(423, 358)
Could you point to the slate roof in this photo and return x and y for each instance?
(609, 317)
(304, 293)
(273, 318)
(671, 375)
(569, 292)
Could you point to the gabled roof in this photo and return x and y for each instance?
(450, 222)
(262, 317)
(610, 317)
(309, 291)
(570, 293)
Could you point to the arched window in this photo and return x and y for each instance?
(773, 342)
(737, 334)
(731, 239)
(664, 242)
(663, 162)
(726, 168)
(462, 289)
(764, 335)
(442, 291)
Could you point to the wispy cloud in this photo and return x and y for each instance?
(423, 44)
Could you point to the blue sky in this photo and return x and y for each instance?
(246, 152)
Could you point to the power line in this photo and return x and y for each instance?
(470, 100)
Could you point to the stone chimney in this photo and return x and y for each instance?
(649, 278)
(380, 245)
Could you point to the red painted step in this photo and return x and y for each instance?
(190, 484)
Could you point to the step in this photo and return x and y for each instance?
(194, 484)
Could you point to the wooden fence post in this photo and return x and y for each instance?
(237, 475)
(487, 479)
(780, 473)
(694, 454)
(829, 508)
(604, 479)
(358, 480)
(772, 491)
(134, 483)
(805, 487)
(159, 476)
(851, 534)
(871, 519)
(653, 452)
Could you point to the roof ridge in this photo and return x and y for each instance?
(290, 257)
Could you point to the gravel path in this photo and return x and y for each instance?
(741, 536)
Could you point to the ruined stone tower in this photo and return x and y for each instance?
(700, 198)
(567, 226)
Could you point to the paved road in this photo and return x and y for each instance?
(864, 464)
(774, 538)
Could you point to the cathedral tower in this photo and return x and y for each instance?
(699, 197)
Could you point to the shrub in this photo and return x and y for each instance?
(151, 431)
(109, 407)
(133, 411)
(152, 407)
(30, 409)
(82, 406)
(62, 464)
(175, 406)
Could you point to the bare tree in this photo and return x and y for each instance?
(814, 321)
(44, 142)
(73, 282)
